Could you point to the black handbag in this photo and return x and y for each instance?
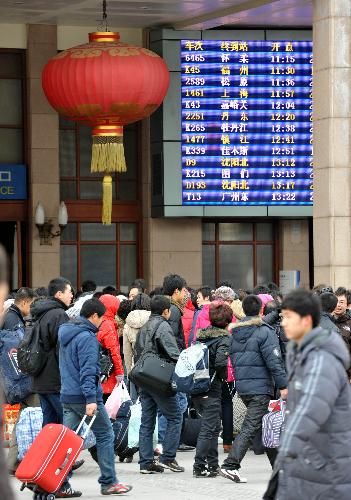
(153, 373)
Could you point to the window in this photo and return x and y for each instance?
(107, 255)
(77, 182)
(240, 252)
(12, 91)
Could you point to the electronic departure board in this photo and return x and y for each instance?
(246, 122)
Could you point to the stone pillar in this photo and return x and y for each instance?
(43, 153)
(332, 151)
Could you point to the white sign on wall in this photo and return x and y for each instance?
(288, 280)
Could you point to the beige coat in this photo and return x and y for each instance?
(135, 320)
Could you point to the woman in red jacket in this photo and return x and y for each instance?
(108, 338)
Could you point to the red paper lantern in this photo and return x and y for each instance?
(106, 84)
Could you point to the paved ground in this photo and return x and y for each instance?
(172, 486)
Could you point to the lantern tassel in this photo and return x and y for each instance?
(107, 200)
(108, 156)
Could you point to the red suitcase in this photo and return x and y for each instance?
(50, 458)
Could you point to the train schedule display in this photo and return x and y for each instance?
(246, 122)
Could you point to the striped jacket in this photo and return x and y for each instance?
(315, 454)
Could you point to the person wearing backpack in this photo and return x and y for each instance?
(158, 336)
(14, 317)
(14, 321)
(208, 404)
(49, 314)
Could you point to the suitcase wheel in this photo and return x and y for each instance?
(44, 496)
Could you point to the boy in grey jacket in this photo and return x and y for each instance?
(315, 451)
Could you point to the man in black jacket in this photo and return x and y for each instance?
(51, 314)
(259, 369)
(342, 317)
(174, 287)
(14, 318)
(162, 343)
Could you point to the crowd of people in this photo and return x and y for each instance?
(261, 345)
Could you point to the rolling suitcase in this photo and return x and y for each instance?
(50, 458)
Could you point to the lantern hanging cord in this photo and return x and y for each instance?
(103, 26)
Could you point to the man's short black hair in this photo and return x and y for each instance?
(141, 302)
(124, 309)
(171, 283)
(206, 292)
(41, 292)
(159, 303)
(57, 285)
(225, 283)
(261, 289)
(270, 307)
(24, 293)
(273, 287)
(304, 303)
(97, 295)
(328, 301)
(139, 283)
(109, 290)
(92, 306)
(88, 286)
(158, 290)
(343, 291)
(252, 305)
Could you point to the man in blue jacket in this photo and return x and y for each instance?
(259, 372)
(81, 391)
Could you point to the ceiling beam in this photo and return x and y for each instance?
(213, 18)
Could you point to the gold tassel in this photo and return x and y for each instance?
(108, 157)
(107, 199)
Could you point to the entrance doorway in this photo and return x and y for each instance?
(11, 239)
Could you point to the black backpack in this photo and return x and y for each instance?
(106, 364)
(31, 356)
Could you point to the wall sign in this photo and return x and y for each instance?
(13, 182)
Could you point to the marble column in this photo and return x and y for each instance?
(43, 153)
(332, 132)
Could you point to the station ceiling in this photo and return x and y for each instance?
(178, 14)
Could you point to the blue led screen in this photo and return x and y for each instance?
(246, 122)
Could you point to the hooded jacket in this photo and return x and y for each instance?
(108, 338)
(51, 315)
(256, 358)
(315, 453)
(13, 319)
(79, 362)
(218, 342)
(327, 322)
(237, 309)
(135, 320)
(163, 342)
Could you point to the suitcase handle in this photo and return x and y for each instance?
(89, 426)
(65, 462)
